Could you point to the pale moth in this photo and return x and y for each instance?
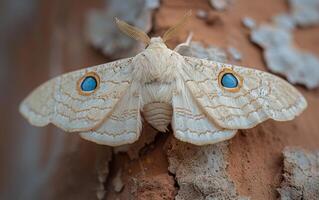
(205, 101)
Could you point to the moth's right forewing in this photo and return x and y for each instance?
(60, 101)
(191, 124)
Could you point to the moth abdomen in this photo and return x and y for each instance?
(158, 115)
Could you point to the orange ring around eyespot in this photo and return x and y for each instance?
(237, 76)
(79, 82)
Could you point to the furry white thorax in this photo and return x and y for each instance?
(156, 70)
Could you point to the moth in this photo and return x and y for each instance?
(205, 101)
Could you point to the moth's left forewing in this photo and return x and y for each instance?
(39, 105)
(257, 96)
(124, 124)
(61, 100)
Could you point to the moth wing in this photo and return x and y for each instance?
(60, 101)
(124, 124)
(260, 95)
(191, 124)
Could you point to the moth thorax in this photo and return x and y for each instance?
(158, 114)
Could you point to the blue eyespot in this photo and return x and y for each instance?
(89, 84)
(229, 81)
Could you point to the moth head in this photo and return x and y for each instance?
(140, 35)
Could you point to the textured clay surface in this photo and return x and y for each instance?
(301, 174)
(200, 171)
(158, 187)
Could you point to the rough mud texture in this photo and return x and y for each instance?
(103, 34)
(301, 175)
(145, 177)
(133, 150)
(159, 187)
(200, 171)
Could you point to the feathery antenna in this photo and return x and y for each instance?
(172, 31)
(132, 31)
